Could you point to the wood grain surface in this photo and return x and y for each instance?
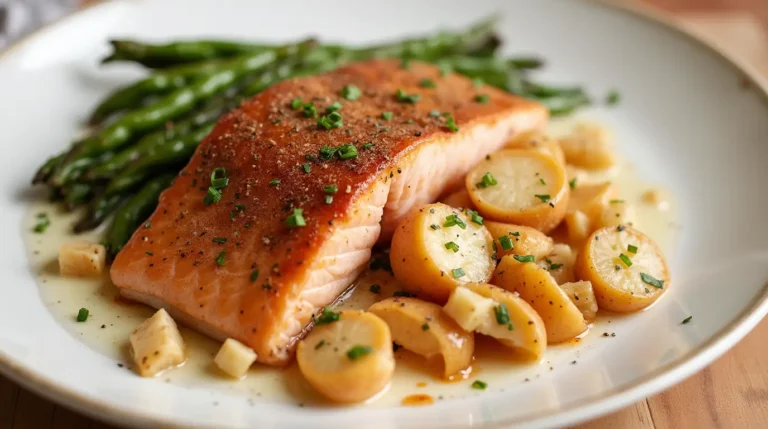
(731, 393)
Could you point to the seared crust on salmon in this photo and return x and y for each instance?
(235, 268)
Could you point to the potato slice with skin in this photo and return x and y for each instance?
(530, 189)
(589, 146)
(479, 307)
(540, 142)
(349, 360)
(156, 345)
(619, 287)
(423, 257)
(459, 199)
(561, 263)
(523, 239)
(538, 288)
(423, 328)
(583, 297)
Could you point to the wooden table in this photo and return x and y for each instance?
(731, 393)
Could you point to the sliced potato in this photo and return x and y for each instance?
(561, 263)
(156, 345)
(234, 358)
(618, 285)
(578, 226)
(82, 259)
(423, 328)
(522, 187)
(615, 213)
(540, 142)
(520, 240)
(458, 200)
(438, 247)
(492, 311)
(538, 288)
(348, 360)
(583, 297)
(589, 146)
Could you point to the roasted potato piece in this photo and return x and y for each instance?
(348, 360)
(438, 247)
(519, 240)
(156, 345)
(589, 146)
(583, 297)
(540, 142)
(423, 328)
(627, 269)
(522, 187)
(561, 263)
(82, 259)
(492, 311)
(458, 200)
(234, 358)
(578, 226)
(538, 288)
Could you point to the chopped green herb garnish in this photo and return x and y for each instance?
(450, 123)
(351, 92)
(356, 352)
(147, 224)
(296, 219)
(222, 258)
(686, 320)
(487, 180)
(330, 121)
(319, 344)
(542, 181)
(454, 219)
(403, 97)
(375, 288)
(43, 222)
(631, 248)
(475, 217)
(479, 385)
(543, 197)
(457, 273)
(613, 97)
(434, 113)
(327, 152)
(452, 246)
(425, 327)
(219, 178)
(435, 226)
(149, 253)
(213, 196)
(506, 243)
(387, 116)
(427, 83)
(254, 275)
(219, 240)
(274, 182)
(502, 314)
(648, 279)
(515, 234)
(482, 98)
(296, 103)
(553, 266)
(616, 201)
(367, 146)
(328, 199)
(333, 107)
(625, 259)
(330, 189)
(524, 258)
(347, 151)
(572, 183)
(82, 315)
(307, 167)
(310, 111)
(327, 316)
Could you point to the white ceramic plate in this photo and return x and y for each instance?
(687, 120)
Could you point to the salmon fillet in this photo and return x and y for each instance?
(235, 268)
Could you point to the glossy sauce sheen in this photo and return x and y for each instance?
(112, 320)
(173, 262)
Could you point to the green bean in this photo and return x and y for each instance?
(134, 212)
(171, 152)
(98, 210)
(183, 52)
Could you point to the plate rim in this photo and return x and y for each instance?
(579, 411)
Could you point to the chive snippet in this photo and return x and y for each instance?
(457, 273)
(213, 196)
(487, 180)
(506, 243)
(454, 219)
(296, 219)
(307, 167)
(552, 266)
(387, 116)
(367, 146)
(82, 315)
(452, 246)
(543, 197)
(435, 226)
(221, 259)
(625, 259)
(475, 217)
(219, 240)
(327, 316)
(572, 183)
(43, 222)
(296, 103)
(219, 178)
(330, 121)
(524, 258)
(254, 275)
(347, 151)
(502, 314)
(404, 97)
(330, 189)
(274, 182)
(648, 279)
(450, 123)
(482, 98)
(613, 97)
(427, 83)
(434, 113)
(333, 107)
(328, 199)
(351, 92)
(686, 320)
(319, 344)
(631, 248)
(358, 351)
(479, 385)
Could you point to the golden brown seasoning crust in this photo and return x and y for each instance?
(266, 139)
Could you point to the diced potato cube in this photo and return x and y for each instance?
(157, 345)
(468, 309)
(578, 225)
(234, 358)
(589, 146)
(82, 258)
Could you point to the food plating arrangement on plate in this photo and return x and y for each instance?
(384, 215)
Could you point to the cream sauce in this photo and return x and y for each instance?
(112, 320)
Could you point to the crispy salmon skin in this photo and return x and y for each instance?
(250, 266)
